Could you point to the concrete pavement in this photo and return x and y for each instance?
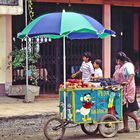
(10, 107)
(28, 119)
(16, 107)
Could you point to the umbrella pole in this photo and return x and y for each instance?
(64, 74)
(26, 95)
(26, 20)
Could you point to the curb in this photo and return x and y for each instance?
(44, 97)
(29, 116)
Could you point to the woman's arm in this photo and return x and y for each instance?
(130, 78)
(129, 72)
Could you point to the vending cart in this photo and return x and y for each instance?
(95, 109)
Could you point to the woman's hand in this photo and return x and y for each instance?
(125, 83)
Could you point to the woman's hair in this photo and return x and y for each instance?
(87, 55)
(98, 62)
(123, 57)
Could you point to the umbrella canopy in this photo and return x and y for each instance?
(69, 24)
(63, 24)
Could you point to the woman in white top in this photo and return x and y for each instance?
(98, 73)
(124, 73)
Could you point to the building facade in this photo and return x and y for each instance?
(121, 16)
(7, 9)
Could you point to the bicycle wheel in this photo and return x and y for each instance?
(89, 129)
(108, 128)
(53, 129)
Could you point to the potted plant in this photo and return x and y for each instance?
(18, 62)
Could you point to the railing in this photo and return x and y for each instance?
(9, 2)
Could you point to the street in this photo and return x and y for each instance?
(26, 127)
(75, 133)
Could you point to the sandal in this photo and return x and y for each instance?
(137, 126)
(124, 130)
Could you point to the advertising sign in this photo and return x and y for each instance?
(9, 2)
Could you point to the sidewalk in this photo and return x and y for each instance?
(10, 107)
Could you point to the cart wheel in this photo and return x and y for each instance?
(89, 129)
(108, 129)
(53, 129)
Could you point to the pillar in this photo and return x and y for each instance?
(57, 65)
(136, 32)
(106, 50)
(6, 48)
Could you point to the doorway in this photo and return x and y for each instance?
(126, 23)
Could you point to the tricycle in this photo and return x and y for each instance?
(95, 109)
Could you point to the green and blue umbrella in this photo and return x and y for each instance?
(69, 24)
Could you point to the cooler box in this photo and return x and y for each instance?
(86, 105)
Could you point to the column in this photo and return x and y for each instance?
(2, 53)
(58, 62)
(136, 32)
(106, 50)
(136, 49)
(8, 50)
(6, 47)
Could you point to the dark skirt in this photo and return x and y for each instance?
(131, 107)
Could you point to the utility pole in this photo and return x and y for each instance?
(26, 18)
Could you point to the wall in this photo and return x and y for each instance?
(6, 13)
